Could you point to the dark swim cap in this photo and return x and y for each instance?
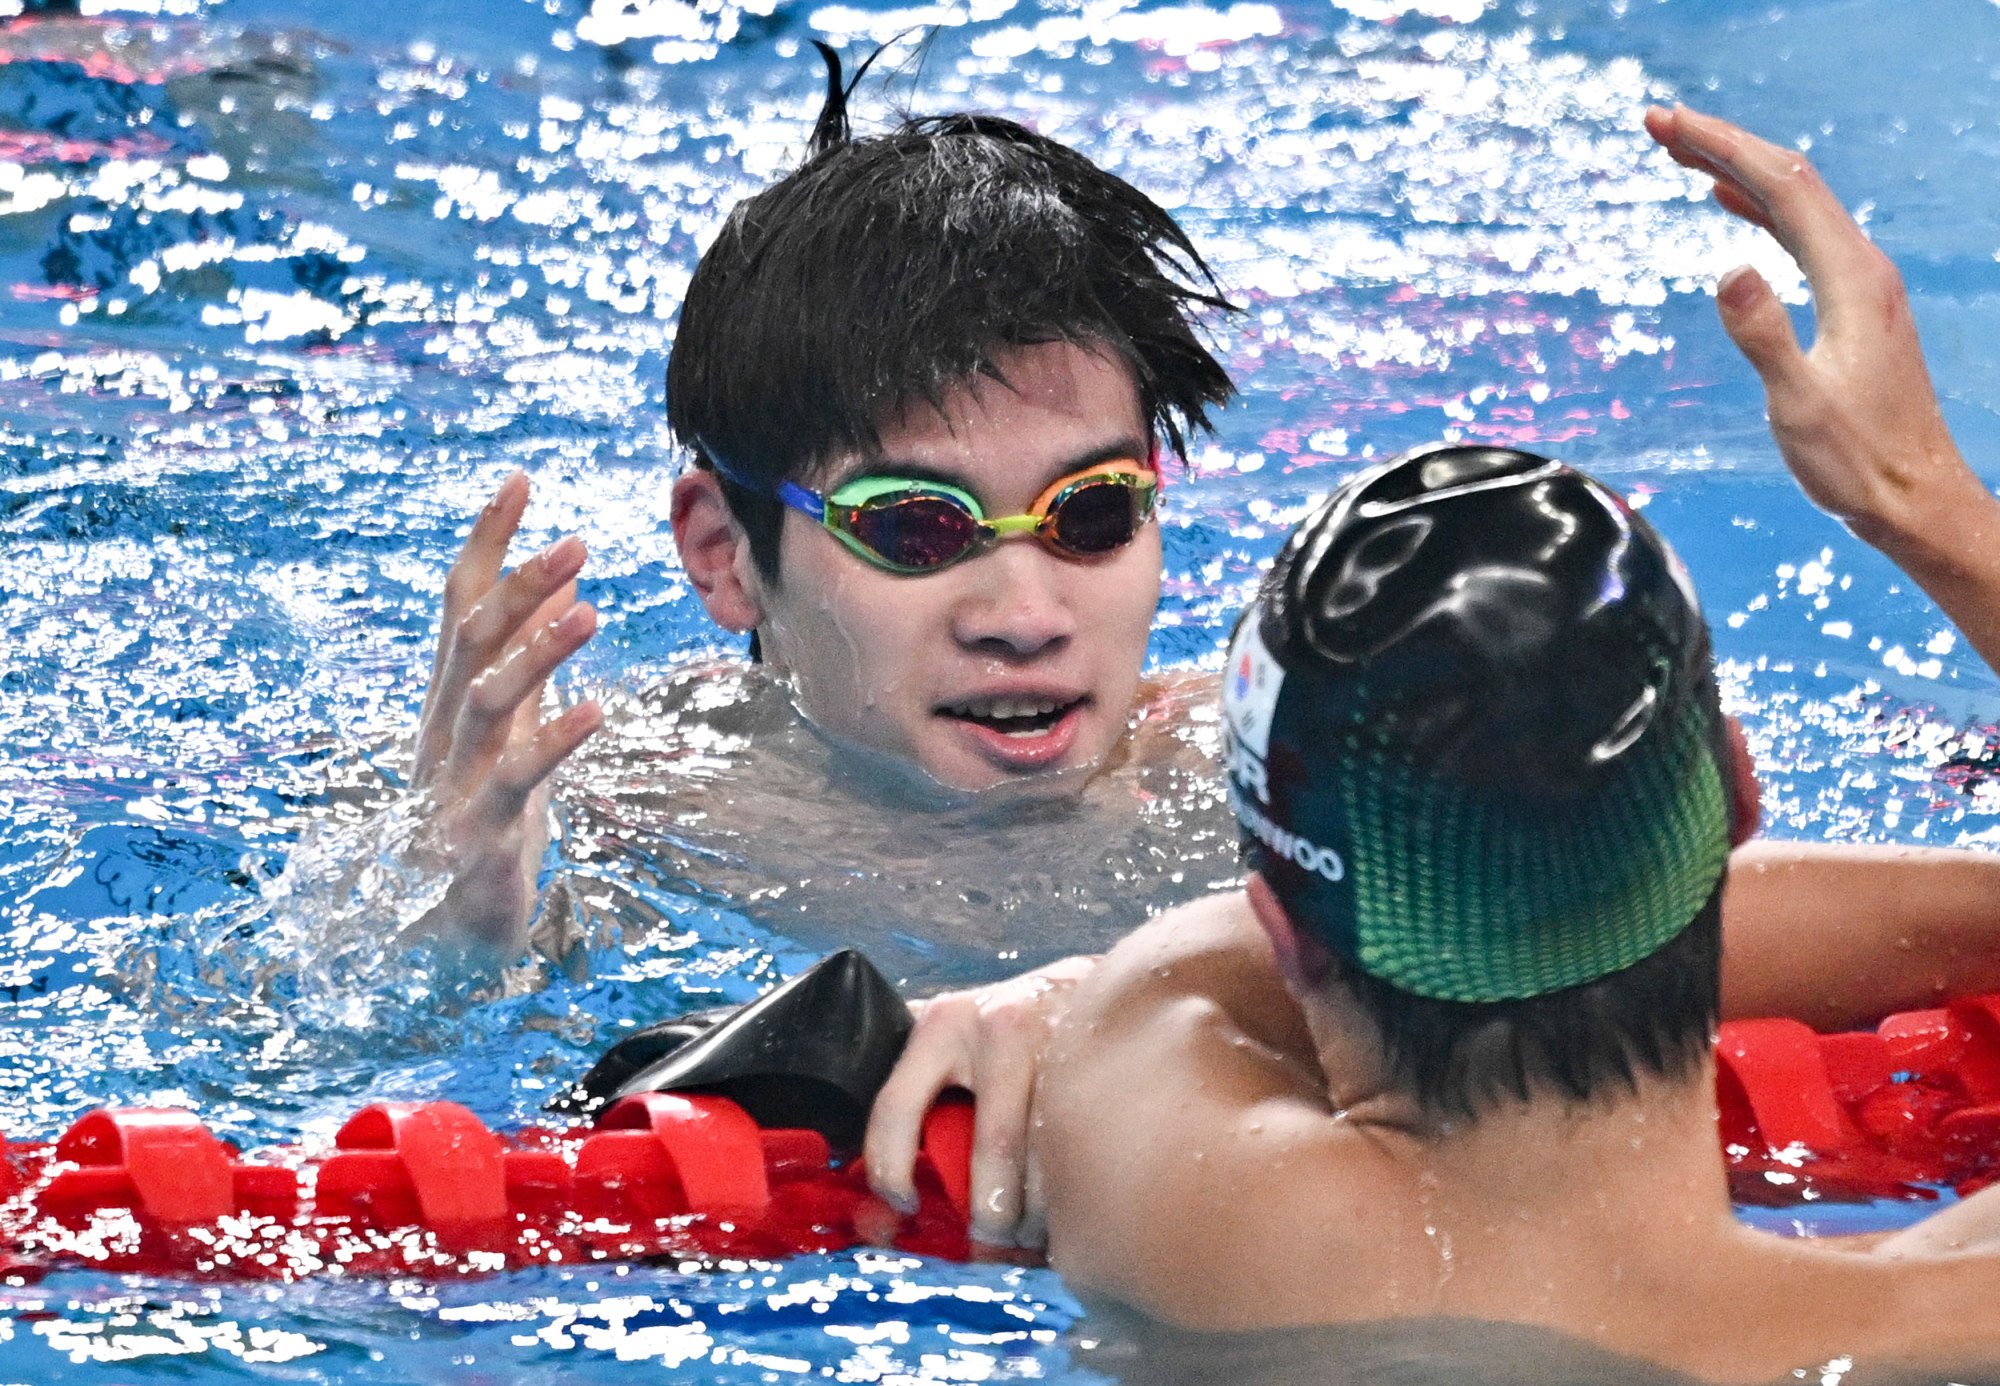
(1472, 729)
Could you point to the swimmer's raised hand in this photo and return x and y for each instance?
(483, 749)
(1855, 416)
(989, 1041)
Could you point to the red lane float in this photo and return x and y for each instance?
(1898, 1112)
(426, 1189)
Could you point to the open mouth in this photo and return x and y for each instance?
(1020, 717)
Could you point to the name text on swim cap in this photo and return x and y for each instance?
(1246, 767)
(1309, 856)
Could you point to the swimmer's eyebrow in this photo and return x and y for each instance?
(1133, 449)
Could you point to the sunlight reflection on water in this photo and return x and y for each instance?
(292, 288)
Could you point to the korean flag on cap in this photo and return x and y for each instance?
(1250, 688)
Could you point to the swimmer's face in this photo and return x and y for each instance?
(1014, 663)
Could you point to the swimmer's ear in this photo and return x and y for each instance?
(715, 552)
(1746, 796)
(1301, 961)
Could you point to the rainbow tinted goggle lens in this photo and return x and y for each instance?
(908, 525)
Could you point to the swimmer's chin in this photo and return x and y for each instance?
(926, 785)
(959, 763)
(948, 782)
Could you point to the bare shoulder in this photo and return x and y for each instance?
(1212, 930)
(1205, 961)
(1192, 1163)
(1189, 1003)
(1176, 723)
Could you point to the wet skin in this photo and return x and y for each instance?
(1013, 664)
(1012, 667)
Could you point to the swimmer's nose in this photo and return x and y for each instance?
(1015, 601)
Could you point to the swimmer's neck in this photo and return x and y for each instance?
(1546, 1155)
(1552, 1154)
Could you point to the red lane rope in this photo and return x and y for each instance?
(426, 1189)
(1898, 1112)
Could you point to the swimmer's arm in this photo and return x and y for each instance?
(484, 754)
(1948, 540)
(1970, 1225)
(1856, 416)
(1840, 936)
(1169, 1136)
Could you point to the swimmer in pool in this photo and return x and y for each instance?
(1450, 1054)
(916, 666)
(927, 382)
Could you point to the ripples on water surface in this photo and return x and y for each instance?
(292, 288)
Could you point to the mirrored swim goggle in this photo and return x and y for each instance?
(910, 525)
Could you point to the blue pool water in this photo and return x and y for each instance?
(290, 287)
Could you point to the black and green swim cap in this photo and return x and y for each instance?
(1472, 729)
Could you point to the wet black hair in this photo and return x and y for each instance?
(1478, 754)
(1461, 1058)
(888, 270)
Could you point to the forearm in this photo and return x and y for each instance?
(1948, 540)
(358, 892)
(494, 892)
(1839, 936)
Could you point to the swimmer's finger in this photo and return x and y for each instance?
(551, 612)
(472, 574)
(1761, 328)
(1000, 1138)
(497, 626)
(1031, 1233)
(1688, 159)
(509, 608)
(478, 564)
(1739, 204)
(931, 1062)
(526, 767)
(487, 720)
(1662, 126)
(1734, 197)
(1802, 211)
